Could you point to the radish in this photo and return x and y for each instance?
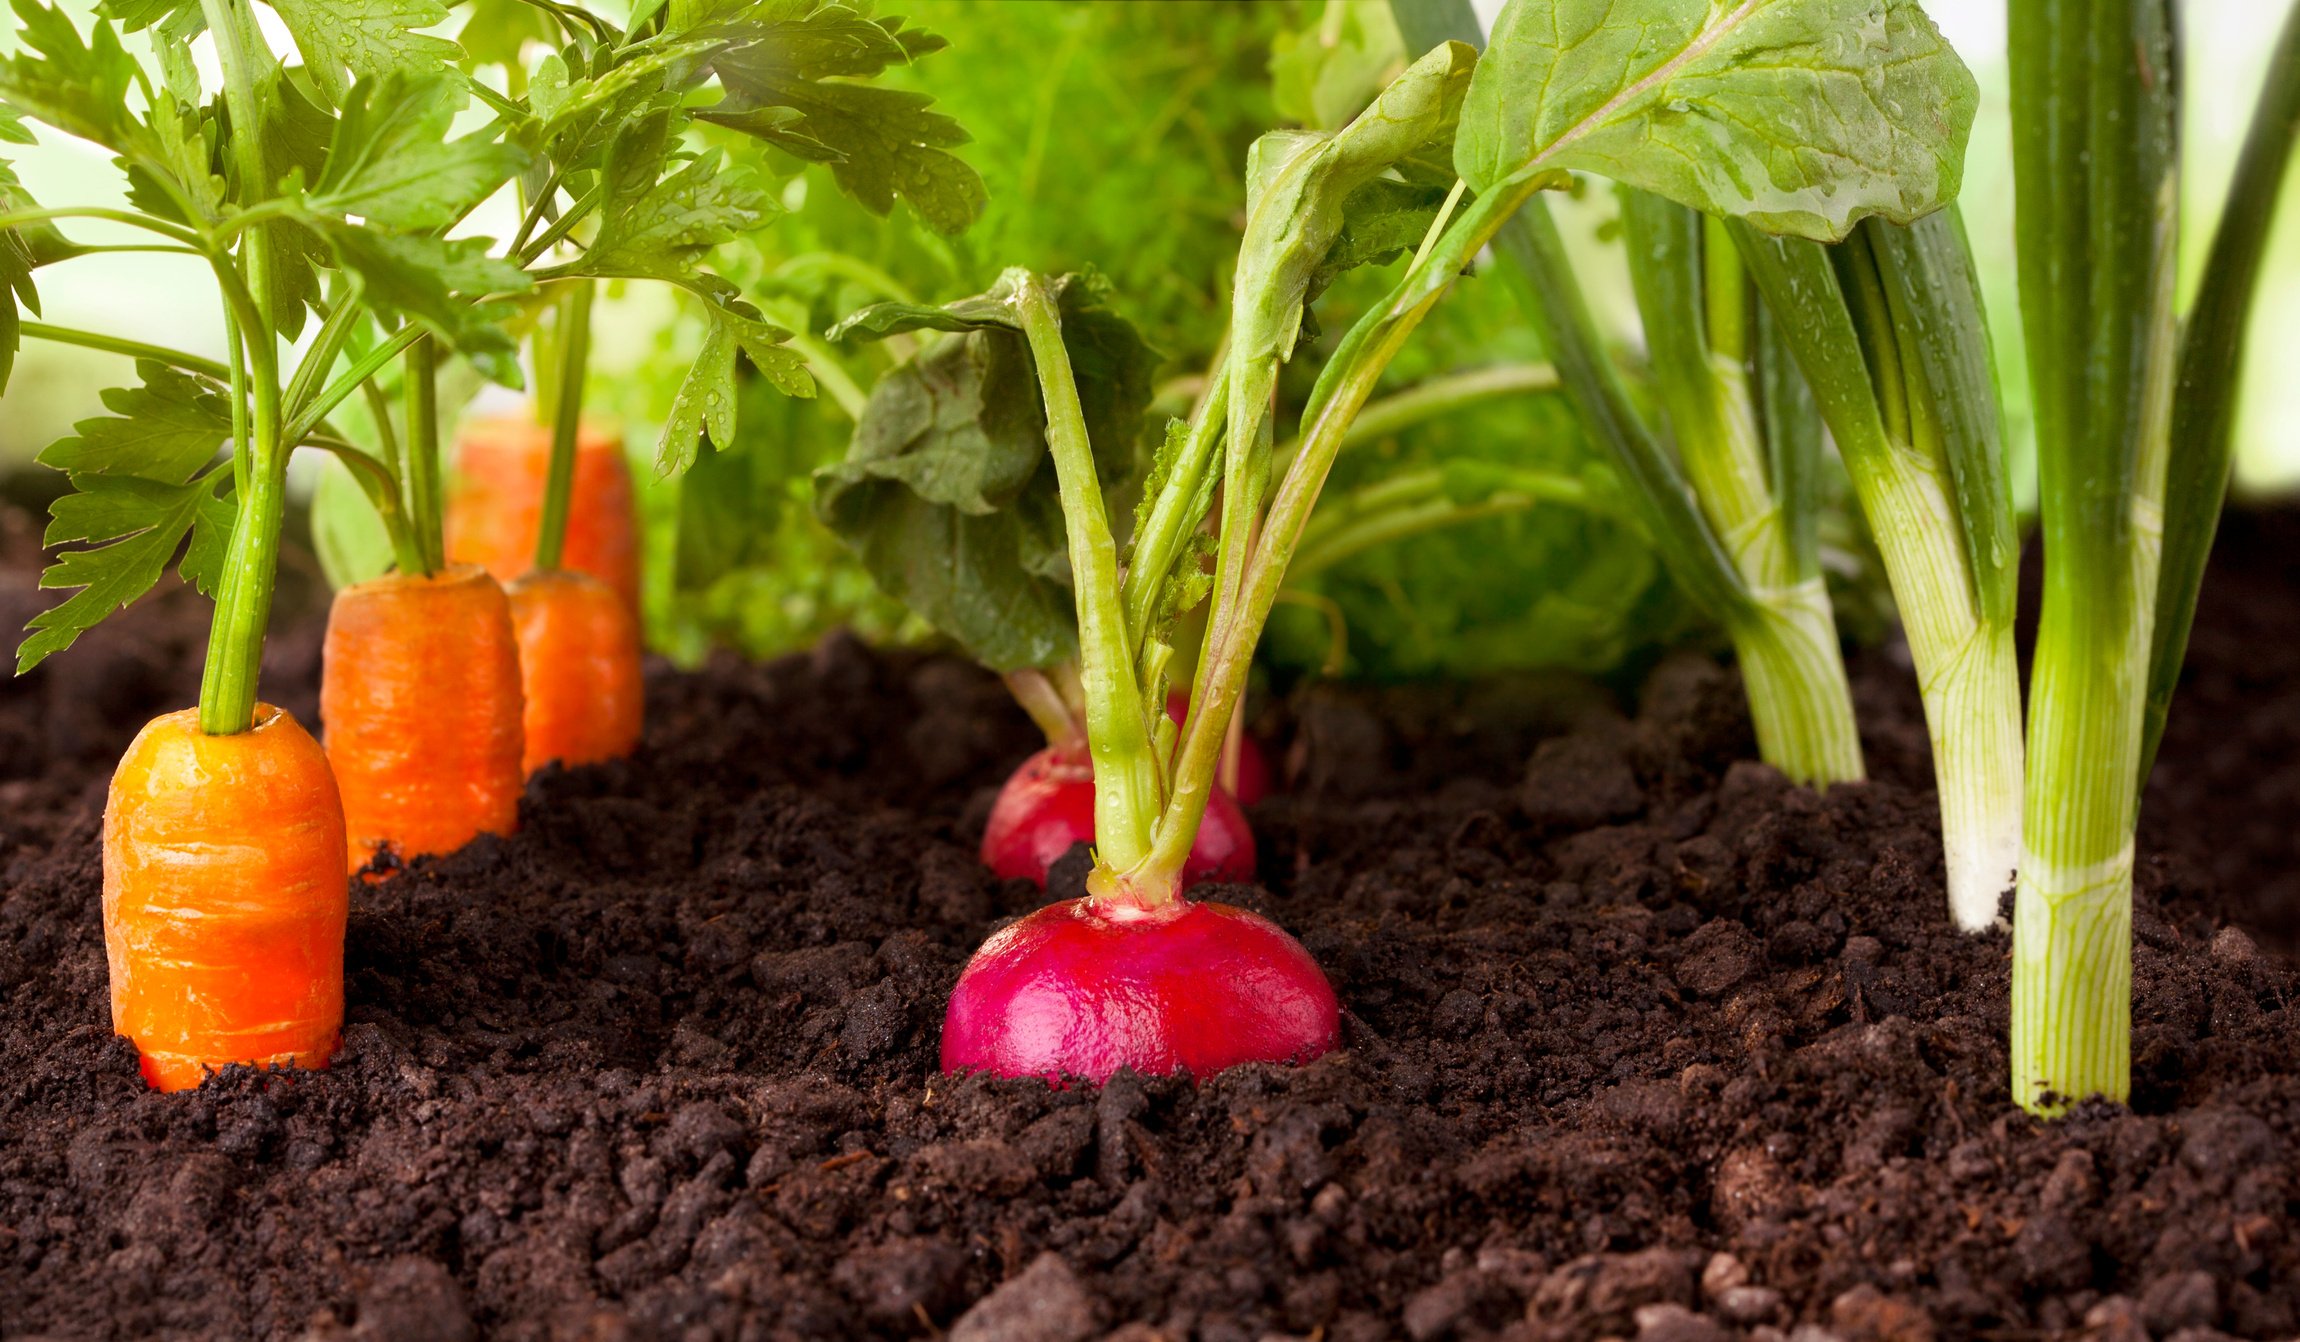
(1088, 986)
(1047, 805)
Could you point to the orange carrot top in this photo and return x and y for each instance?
(224, 897)
(579, 669)
(495, 504)
(419, 695)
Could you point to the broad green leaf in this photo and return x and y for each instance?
(948, 492)
(132, 528)
(1324, 75)
(391, 163)
(369, 38)
(162, 431)
(1298, 188)
(1800, 116)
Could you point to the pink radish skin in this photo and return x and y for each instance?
(1083, 988)
(1048, 804)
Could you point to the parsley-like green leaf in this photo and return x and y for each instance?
(370, 38)
(663, 231)
(134, 497)
(436, 281)
(880, 143)
(135, 526)
(704, 403)
(391, 163)
(80, 87)
(162, 431)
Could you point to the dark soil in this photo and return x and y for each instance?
(1639, 1041)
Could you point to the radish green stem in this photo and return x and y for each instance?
(574, 342)
(1126, 791)
(233, 668)
(1342, 389)
(1172, 514)
(1439, 396)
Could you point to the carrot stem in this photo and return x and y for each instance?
(234, 663)
(423, 453)
(574, 347)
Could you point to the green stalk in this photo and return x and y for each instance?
(1439, 396)
(1126, 791)
(1263, 552)
(1889, 333)
(1176, 512)
(1693, 298)
(134, 349)
(423, 497)
(2096, 175)
(2211, 362)
(230, 675)
(1413, 503)
(574, 350)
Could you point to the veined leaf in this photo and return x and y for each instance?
(79, 87)
(706, 399)
(162, 431)
(1323, 76)
(369, 38)
(661, 231)
(704, 403)
(948, 492)
(134, 526)
(1800, 116)
(435, 281)
(879, 143)
(391, 163)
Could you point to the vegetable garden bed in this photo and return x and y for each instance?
(1634, 1031)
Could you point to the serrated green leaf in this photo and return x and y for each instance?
(12, 127)
(881, 144)
(22, 250)
(704, 403)
(781, 366)
(663, 230)
(436, 281)
(390, 161)
(132, 527)
(368, 38)
(78, 86)
(162, 431)
(135, 15)
(1800, 116)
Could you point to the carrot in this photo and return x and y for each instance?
(495, 505)
(419, 694)
(224, 897)
(578, 668)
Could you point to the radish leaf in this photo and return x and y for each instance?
(1801, 116)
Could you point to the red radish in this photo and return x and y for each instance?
(1088, 986)
(1048, 805)
(1253, 767)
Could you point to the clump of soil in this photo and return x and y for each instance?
(1639, 1041)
